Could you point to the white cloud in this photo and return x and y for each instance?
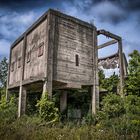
(14, 24)
(11, 26)
(101, 14)
(107, 11)
(4, 47)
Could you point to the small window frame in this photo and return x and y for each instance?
(12, 66)
(19, 62)
(28, 56)
(41, 49)
(77, 60)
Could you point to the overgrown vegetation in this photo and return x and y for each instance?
(47, 110)
(133, 80)
(118, 118)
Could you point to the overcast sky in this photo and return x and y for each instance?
(121, 17)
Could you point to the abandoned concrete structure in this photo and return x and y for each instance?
(58, 52)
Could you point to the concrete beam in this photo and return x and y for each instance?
(108, 34)
(107, 44)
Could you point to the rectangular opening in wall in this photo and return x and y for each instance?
(40, 49)
(28, 56)
(12, 66)
(77, 60)
(19, 62)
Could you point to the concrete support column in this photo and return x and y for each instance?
(7, 95)
(47, 89)
(121, 67)
(22, 101)
(95, 99)
(95, 86)
(63, 101)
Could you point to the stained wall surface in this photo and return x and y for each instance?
(74, 53)
(15, 64)
(35, 52)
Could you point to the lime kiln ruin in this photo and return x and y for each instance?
(57, 52)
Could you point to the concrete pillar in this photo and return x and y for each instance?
(121, 67)
(22, 101)
(47, 89)
(22, 89)
(63, 101)
(95, 86)
(7, 95)
(95, 99)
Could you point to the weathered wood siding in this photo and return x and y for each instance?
(35, 64)
(73, 39)
(16, 63)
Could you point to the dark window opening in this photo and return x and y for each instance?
(41, 49)
(19, 62)
(12, 66)
(77, 60)
(28, 56)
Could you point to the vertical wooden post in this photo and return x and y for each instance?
(63, 101)
(22, 89)
(95, 87)
(121, 67)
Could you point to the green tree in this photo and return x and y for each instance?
(101, 78)
(8, 110)
(47, 109)
(110, 84)
(133, 80)
(113, 106)
(3, 72)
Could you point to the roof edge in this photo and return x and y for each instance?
(40, 19)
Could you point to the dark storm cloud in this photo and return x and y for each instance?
(118, 16)
(122, 11)
(130, 5)
(24, 5)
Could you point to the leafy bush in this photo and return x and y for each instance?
(90, 119)
(122, 115)
(132, 105)
(113, 106)
(8, 110)
(132, 83)
(47, 109)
